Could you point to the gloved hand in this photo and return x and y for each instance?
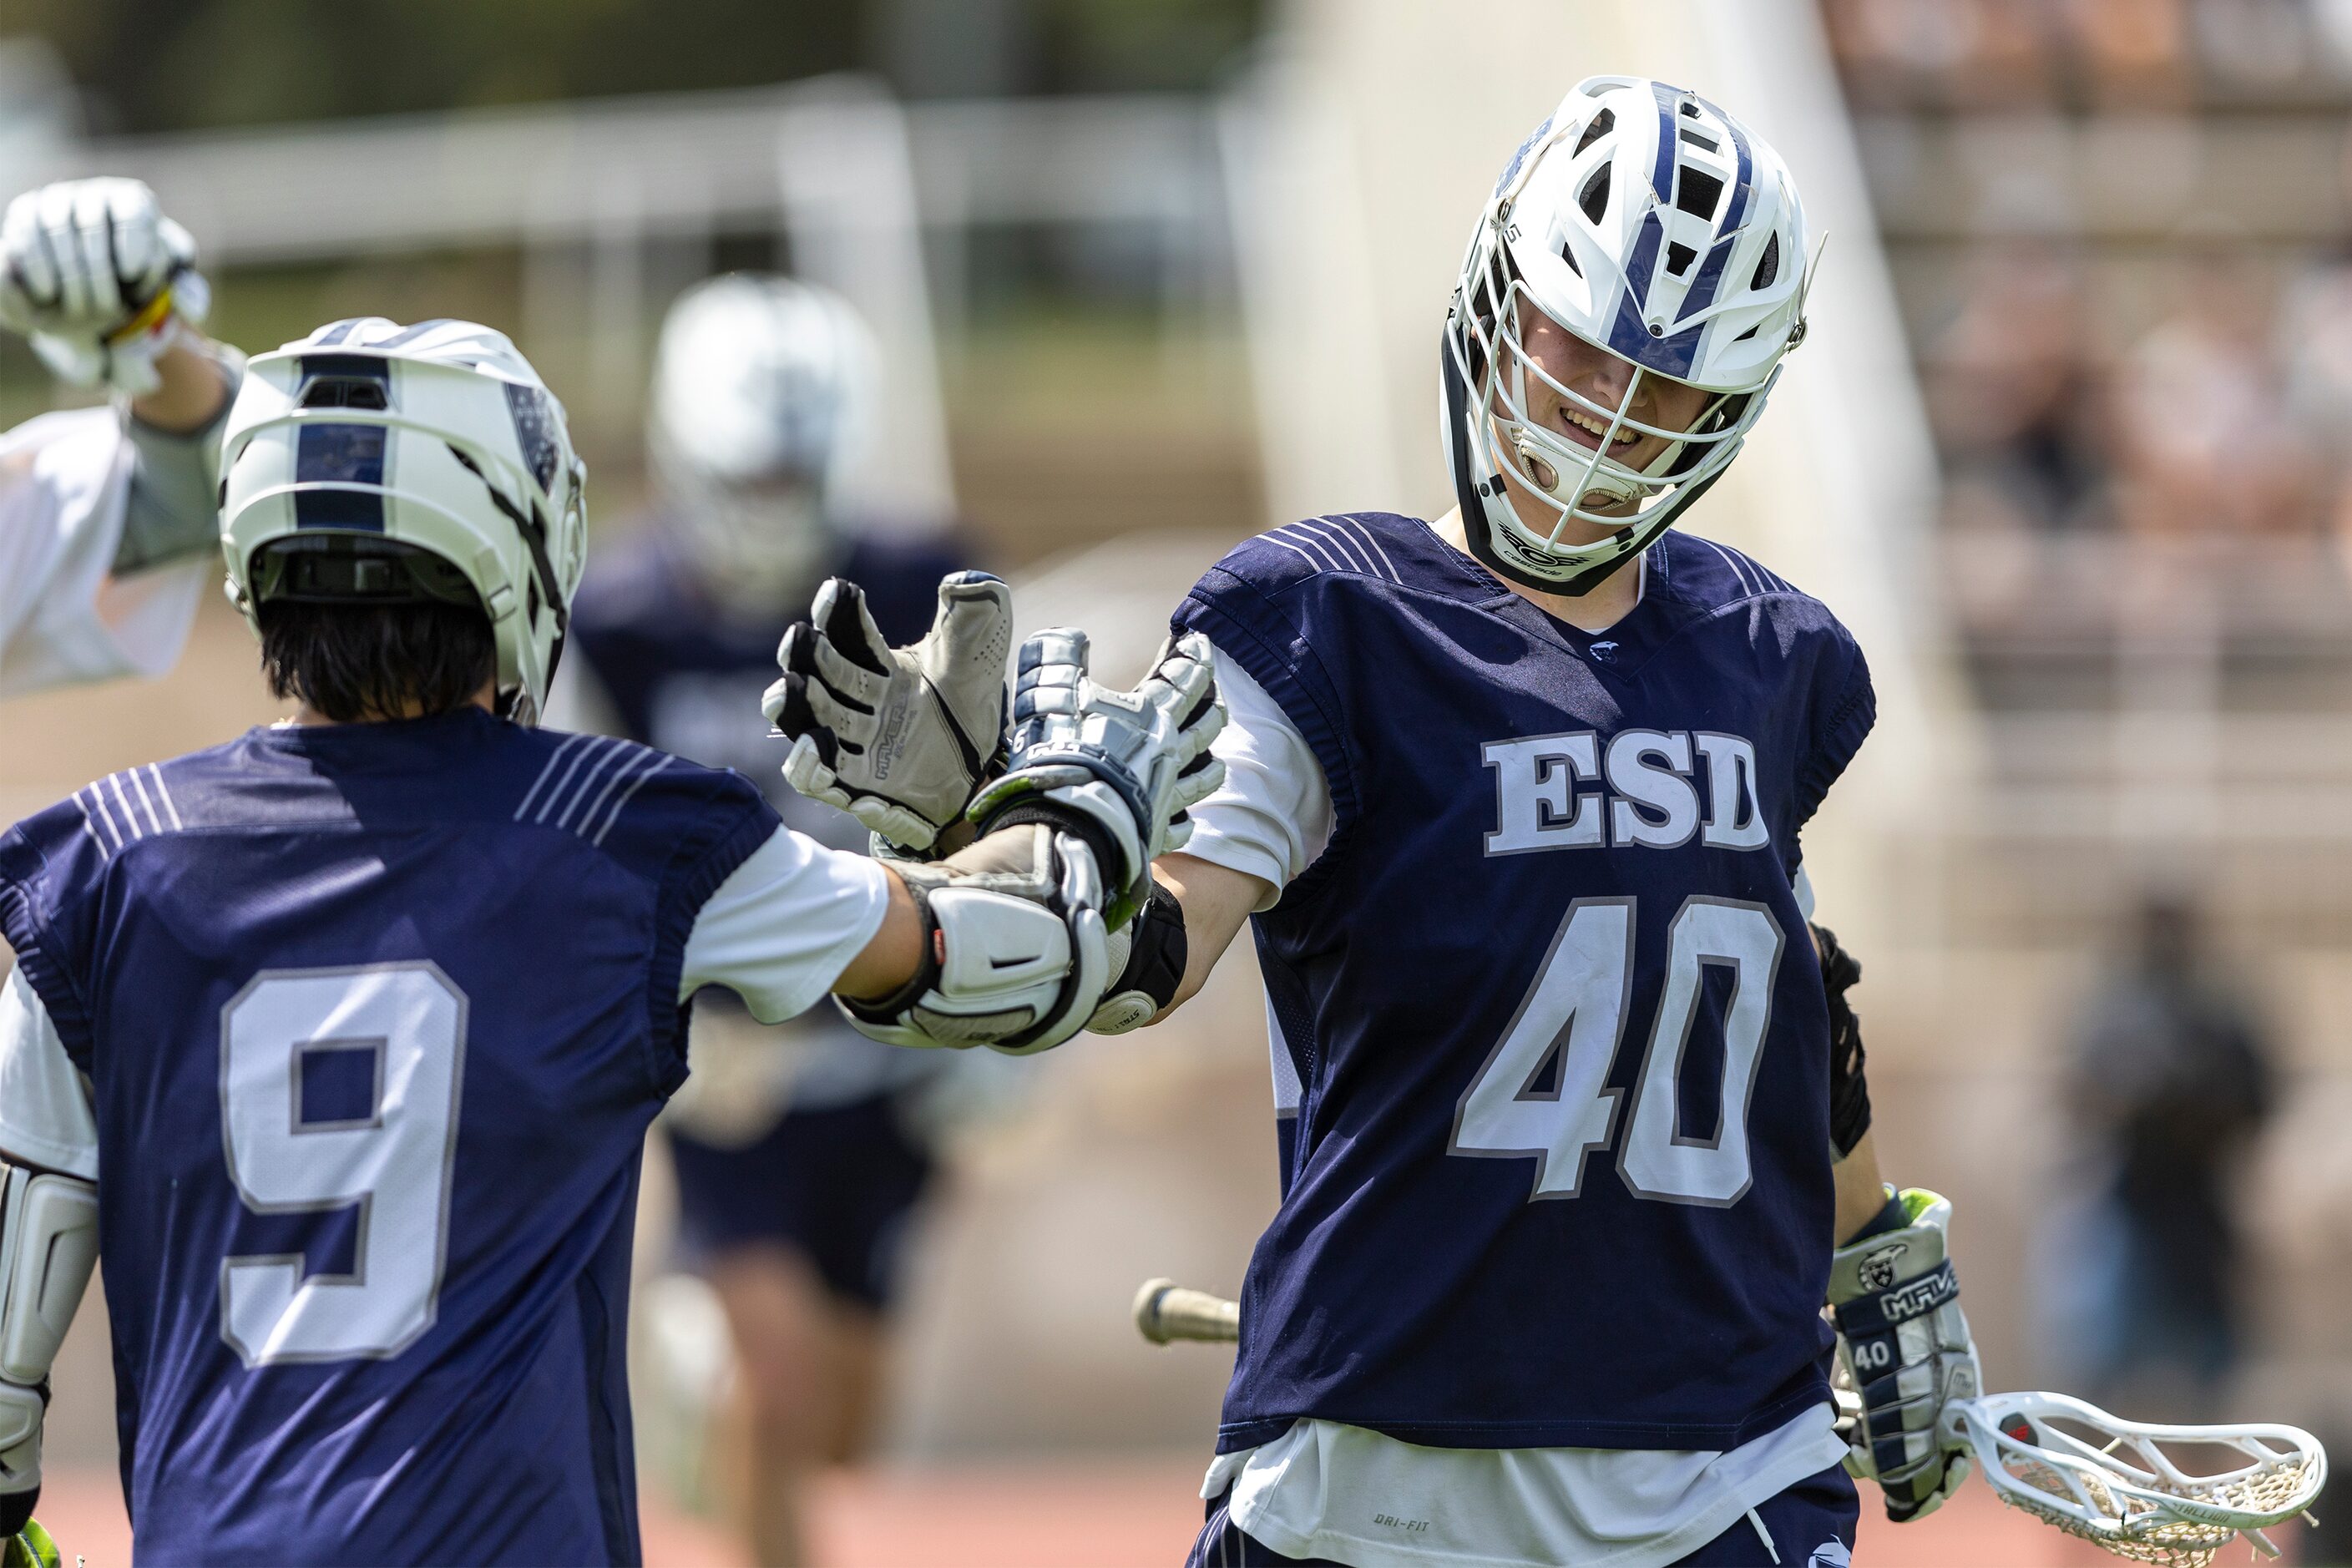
(100, 279)
(1014, 955)
(1122, 766)
(1905, 1344)
(897, 737)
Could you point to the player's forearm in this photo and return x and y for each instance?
(172, 510)
(195, 387)
(1861, 1191)
(1216, 901)
(888, 962)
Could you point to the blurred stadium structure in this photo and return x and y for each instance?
(2066, 447)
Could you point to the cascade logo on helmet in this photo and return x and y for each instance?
(373, 464)
(1656, 229)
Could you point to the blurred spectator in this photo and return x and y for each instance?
(2134, 54)
(2169, 1082)
(2252, 44)
(1970, 53)
(2201, 425)
(2015, 397)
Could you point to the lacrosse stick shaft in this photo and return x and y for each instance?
(1165, 1311)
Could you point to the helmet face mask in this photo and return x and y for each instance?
(369, 441)
(1651, 227)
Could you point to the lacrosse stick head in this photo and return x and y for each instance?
(2130, 1486)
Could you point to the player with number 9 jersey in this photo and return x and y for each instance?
(352, 1029)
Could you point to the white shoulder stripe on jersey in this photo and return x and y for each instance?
(1276, 537)
(164, 793)
(613, 756)
(594, 746)
(1346, 540)
(146, 801)
(1340, 546)
(1732, 560)
(1373, 540)
(554, 760)
(94, 817)
(122, 809)
(619, 776)
(1324, 557)
(130, 812)
(590, 746)
(660, 761)
(1337, 545)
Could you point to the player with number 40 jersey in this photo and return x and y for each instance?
(1574, 1136)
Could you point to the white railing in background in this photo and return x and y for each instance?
(875, 198)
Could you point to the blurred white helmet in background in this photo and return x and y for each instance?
(1648, 222)
(764, 389)
(372, 462)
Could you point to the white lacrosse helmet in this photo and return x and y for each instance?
(763, 388)
(376, 462)
(1650, 223)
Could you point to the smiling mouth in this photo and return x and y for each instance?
(1586, 430)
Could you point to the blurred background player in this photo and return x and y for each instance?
(2170, 1081)
(801, 1152)
(107, 533)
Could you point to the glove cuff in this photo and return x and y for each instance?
(1091, 811)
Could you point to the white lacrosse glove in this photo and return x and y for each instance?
(1904, 1342)
(1120, 766)
(1015, 955)
(100, 279)
(897, 737)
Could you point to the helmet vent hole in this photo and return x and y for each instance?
(1678, 259)
(1690, 110)
(1697, 193)
(1747, 334)
(340, 392)
(1602, 125)
(1695, 139)
(1768, 266)
(1567, 253)
(1594, 198)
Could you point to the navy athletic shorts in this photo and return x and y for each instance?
(1813, 1526)
(836, 1185)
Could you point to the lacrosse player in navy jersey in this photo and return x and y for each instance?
(1574, 1134)
(338, 1043)
(801, 1153)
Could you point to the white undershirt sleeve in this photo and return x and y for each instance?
(779, 932)
(45, 1113)
(65, 484)
(1272, 816)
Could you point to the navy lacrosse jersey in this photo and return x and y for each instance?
(1559, 1169)
(682, 674)
(375, 1019)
